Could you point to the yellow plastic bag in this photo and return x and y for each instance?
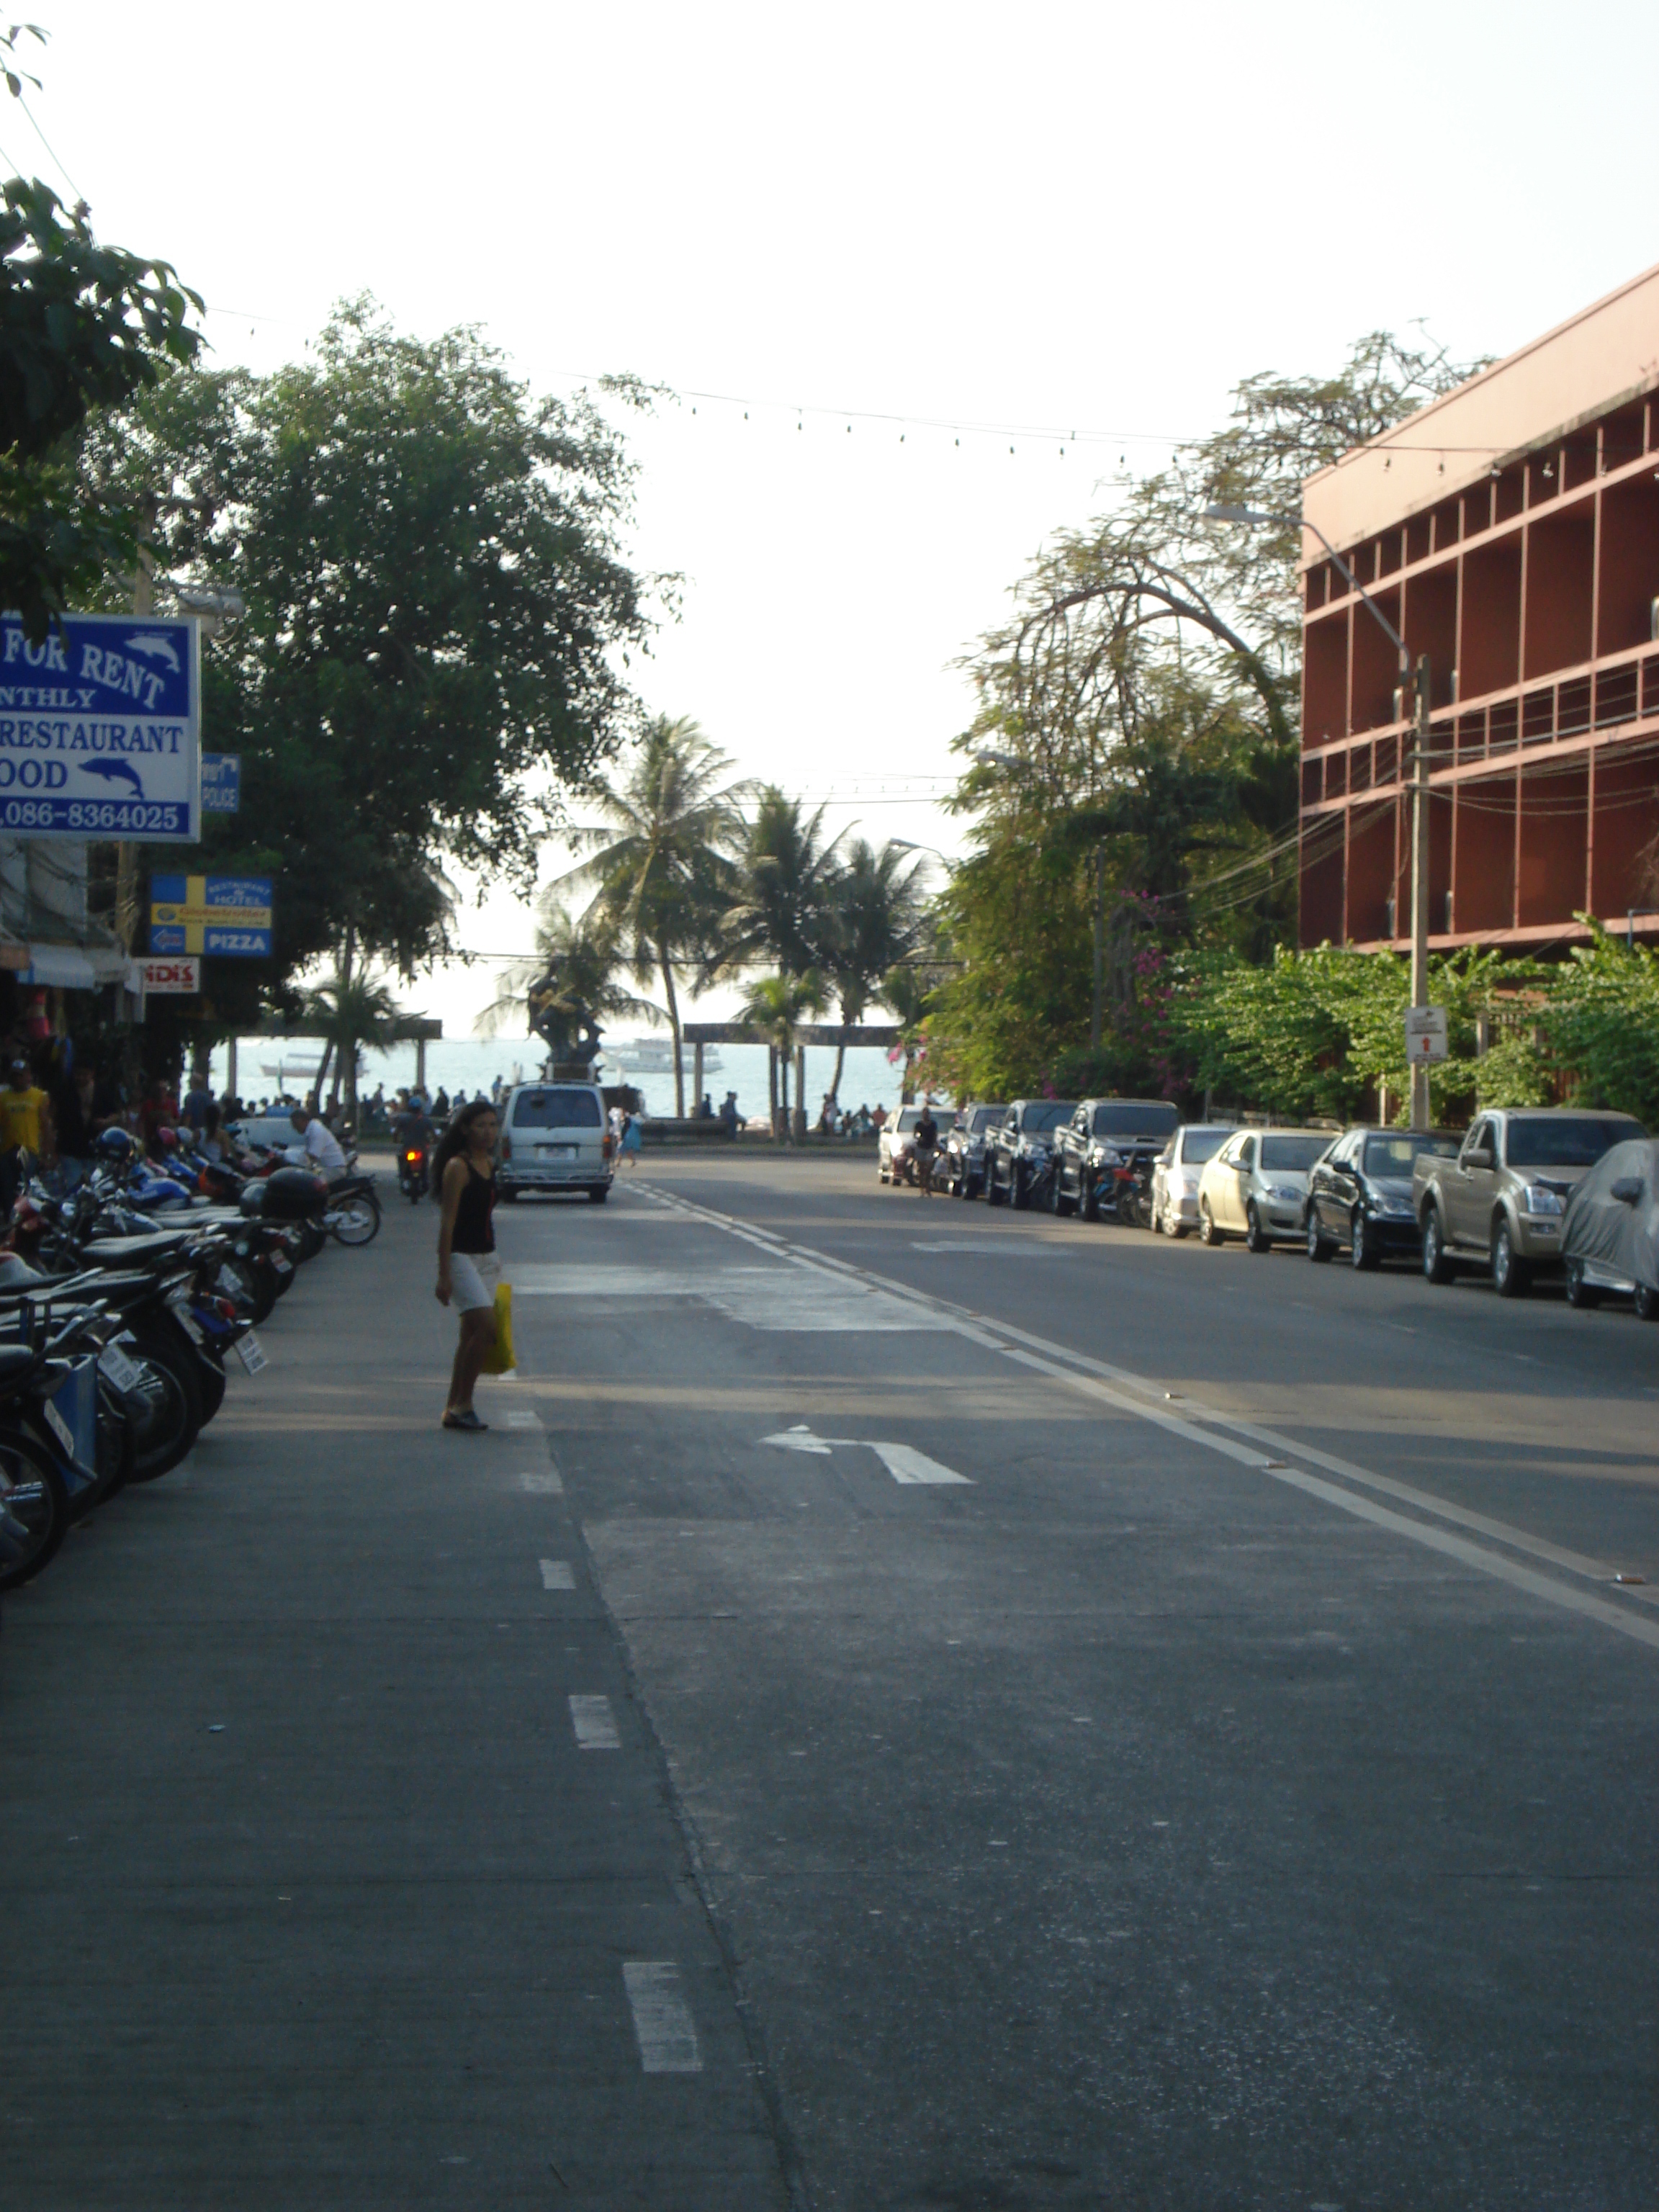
(501, 1360)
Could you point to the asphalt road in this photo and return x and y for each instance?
(1013, 1714)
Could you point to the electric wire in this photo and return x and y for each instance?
(46, 143)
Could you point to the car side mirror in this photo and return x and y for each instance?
(1628, 1190)
(1479, 1157)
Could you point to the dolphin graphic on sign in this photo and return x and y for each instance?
(155, 648)
(114, 771)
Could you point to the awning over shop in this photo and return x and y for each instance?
(74, 967)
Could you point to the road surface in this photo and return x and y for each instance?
(909, 1706)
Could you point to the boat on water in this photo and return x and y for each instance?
(654, 1055)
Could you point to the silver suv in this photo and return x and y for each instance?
(1499, 1203)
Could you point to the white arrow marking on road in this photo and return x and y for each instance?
(902, 1461)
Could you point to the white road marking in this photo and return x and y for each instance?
(789, 1296)
(906, 1464)
(558, 1574)
(522, 1417)
(998, 1248)
(663, 2025)
(1186, 1425)
(541, 1482)
(902, 1461)
(595, 1724)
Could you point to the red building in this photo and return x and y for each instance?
(1511, 531)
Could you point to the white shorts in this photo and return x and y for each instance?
(472, 1277)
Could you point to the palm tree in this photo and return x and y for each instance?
(772, 1007)
(784, 908)
(662, 858)
(879, 911)
(908, 992)
(580, 957)
(350, 1012)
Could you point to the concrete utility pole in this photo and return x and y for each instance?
(1421, 1115)
(1419, 1073)
(126, 853)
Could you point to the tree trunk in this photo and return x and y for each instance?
(772, 1088)
(322, 1072)
(346, 1064)
(674, 1024)
(782, 1056)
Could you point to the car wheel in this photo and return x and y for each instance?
(1320, 1248)
(1207, 1232)
(1058, 1204)
(1363, 1250)
(1436, 1267)
(1256, 1239)
(1511, 1276)
(1019, 1195)
(1089, 1197)
(992, 1188)
(1646, 1302)
(1581, 1294)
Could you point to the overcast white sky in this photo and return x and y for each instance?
(1089, 218)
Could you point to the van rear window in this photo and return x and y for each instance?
(556, 1109)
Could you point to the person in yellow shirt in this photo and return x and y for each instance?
(25, 1117)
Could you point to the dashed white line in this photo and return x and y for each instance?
(663, 2025)
(595, 1723)
(558, 1574)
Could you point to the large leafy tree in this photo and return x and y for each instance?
(438, 619)
(1136, 731)
(774, 1007)
(661, 859)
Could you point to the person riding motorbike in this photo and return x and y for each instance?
(924, 1148)
(413, 1132)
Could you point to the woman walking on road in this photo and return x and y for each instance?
(464, 1170)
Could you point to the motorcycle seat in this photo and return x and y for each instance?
(133, 1248)
(16, 1360)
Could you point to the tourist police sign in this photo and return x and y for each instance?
(101, 730)
(229, 915)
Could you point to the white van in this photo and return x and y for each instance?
(554, 1138)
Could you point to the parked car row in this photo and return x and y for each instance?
(1526, 1190)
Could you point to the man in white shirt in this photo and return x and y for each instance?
(320, 1148)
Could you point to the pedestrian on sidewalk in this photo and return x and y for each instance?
(464, 1173)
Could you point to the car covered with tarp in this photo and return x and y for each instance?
(1610, 1235)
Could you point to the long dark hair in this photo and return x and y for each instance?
(458, 1137)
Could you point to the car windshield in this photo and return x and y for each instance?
(556, 1109)
(1198, 1146)
(1048, 1115)
(1566, 1140)
(985, 1117)
(1119, 1117)
(1292, 1155)
(909, 1117)
(1392, 1155)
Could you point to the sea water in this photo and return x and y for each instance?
(465, 1065)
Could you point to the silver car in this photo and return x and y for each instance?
(1175, 1179)
(896, 1146)
(1256, 1187)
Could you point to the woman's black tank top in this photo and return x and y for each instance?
(474, 1230)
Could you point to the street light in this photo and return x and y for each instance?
(1221, 511)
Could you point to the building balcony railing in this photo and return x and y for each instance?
(1576, 705)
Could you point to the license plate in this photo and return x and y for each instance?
(188, 1322)
(248, 1351)
(115, 1362)
(227, 1282)
(555, 1152)
(282, 1266)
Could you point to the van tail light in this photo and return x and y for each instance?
(604, 1146)
(507, 1147)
